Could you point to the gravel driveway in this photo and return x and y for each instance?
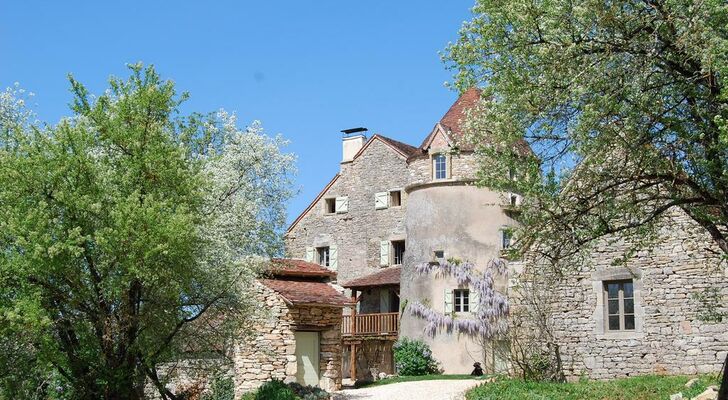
(418, 390)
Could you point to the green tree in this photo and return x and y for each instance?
(624, 105)
(633, 92)
(125, 231)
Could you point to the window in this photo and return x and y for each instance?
(439, 166)
(462, 300)
(505, 239)
(513, 200)
(336, 205)
(398, 250)
(323, 254)
(395, 198)
(330, 206)
(619, 303)
(439, 255)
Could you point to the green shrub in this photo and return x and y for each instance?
(309, 392)
(222, 388)
(275, 390)
(414, 357)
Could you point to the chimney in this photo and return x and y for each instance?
(352, 142)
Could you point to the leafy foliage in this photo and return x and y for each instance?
(633, 92)
(222, 388)
(414, 357)
(643, 388)
(275, 390)
(126, 232)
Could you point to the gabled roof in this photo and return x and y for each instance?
(290, 267)
(313, 203)
(307, 293)
(454, 119)
(402, 149)
(386, 277)
(453, 123)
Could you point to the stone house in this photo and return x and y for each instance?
(391, 206)
(394, 205)
(644, 315)
(297, 336)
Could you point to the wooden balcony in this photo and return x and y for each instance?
(384, 324)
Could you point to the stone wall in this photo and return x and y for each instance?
(466, 223)
(670, 337)
(326, 320)
(269, 353)
(358, 232)
(463, 166)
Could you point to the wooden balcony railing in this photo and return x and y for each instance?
(370, 324)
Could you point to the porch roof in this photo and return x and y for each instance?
(307, 292)
(386, 277)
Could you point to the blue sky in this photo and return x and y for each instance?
(305, 69)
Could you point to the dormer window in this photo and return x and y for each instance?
(439, 166)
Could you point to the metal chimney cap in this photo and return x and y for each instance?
(354, 130)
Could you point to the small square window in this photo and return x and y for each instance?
(439, 255)
(462, 300)
(398, 250)
(330, 206)
(514, 199)
(395, 198)
(323, 256)
(619, 305)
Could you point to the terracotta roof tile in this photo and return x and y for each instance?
(402, 147)
(387, 276)
(300, 268)
(306, 292)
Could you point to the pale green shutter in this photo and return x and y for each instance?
(381, 200)
(342, 204)
(309, 254)
(448, 301)
(333, 254)
(474, 298)
(384, 252)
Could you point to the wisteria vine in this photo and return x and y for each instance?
(490, 319)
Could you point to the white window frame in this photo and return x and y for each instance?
(323, 256)
(461, 300)
(436, 162)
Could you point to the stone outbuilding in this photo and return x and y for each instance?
(297, 337)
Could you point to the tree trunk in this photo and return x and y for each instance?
(723, 394)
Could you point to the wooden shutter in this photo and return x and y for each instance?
(310, 254)
(474, 298)
(381, 200)
(384, 252)
(333, 254)
(448, 301)
(342, 204)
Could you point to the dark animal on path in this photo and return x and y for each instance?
(477, 370)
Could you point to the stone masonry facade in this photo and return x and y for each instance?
(357, 233)
(670, 336)
(269, 352)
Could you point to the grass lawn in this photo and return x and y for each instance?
(637, 388)
(397, 379)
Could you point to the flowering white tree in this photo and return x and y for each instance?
(128, 233)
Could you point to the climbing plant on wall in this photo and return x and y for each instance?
(491, 308)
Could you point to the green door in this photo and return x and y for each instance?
(307, 358)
